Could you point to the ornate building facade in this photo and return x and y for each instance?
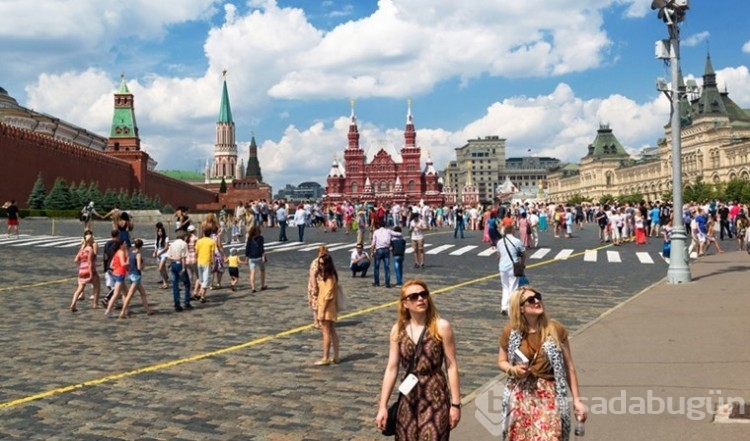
(715, 143)
(387, 178)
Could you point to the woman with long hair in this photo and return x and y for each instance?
(255, 252)
(86, 260)
(432, 408)
(312, 284)
(328, 280)
(161, 245)
(541, 380)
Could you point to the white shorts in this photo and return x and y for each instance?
(204, 275)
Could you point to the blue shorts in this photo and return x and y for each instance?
(135, 279)
(118, 279)
(256, 263)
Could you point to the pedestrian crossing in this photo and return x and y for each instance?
(587, 256)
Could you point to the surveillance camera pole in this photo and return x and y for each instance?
(679, 270)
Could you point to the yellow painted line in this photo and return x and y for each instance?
(34, 285)
(177, 362)
(251, 343)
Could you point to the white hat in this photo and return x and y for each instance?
(191, 228)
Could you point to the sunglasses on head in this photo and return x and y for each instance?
(536, 298)
(416, 295)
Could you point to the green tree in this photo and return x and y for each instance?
(123, 199)
(37, 195)
(79, 195)
(109, 199)
(59, 197)
(576, 199)
(93, 194)
(699, 191)
(737, 190)
(138, 201)
(223, 186)
(167, 209)
(606, 199)
(155, 203)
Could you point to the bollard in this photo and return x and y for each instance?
(53, 226)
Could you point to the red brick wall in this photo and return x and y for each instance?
(24, 155)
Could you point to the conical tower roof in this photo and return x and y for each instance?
(606, 145)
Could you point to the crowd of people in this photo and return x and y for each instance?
(541, 390)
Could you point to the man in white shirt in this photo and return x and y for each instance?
(177, 256)
(381, 251)
(281, 219)
(360, 261)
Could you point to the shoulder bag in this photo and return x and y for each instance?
(518, 268)
(390, 422)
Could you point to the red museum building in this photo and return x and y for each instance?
(387, 178)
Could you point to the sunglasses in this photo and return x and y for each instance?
(417, 295)
(536, 298)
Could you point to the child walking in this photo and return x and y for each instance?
(135, 273)
(233, 262)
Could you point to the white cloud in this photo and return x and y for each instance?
(696, 39)
(559, 124)
(746, 48)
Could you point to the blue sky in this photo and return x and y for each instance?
(542, 74)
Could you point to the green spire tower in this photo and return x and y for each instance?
(225, 148)
(124, 133)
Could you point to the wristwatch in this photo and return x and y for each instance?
(456, 405)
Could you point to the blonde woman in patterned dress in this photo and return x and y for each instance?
(544, 381)
(433, 407)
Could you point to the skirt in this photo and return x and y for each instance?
(533, 414)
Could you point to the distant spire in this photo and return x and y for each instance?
(408, 112)
(353, 134)
(123, 84)
(225, 110)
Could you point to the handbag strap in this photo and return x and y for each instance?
(506, 249)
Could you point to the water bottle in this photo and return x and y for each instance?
(580, 428)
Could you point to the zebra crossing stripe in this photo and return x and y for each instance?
(589, 256)
(439, 249)
(564, 254)
(540, 253)
(411, 249)
(488, 252)
(644, 257)
(613, 257)
(32, 241)
(12, 238)
(314, 246)
(463, 250)
(61, 241)
(341, 247)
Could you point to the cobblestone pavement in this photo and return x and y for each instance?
(240, 366)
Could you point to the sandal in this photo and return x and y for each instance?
(263, 288)
(322, 362)
(336, 360)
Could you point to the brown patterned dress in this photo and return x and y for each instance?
(424, 414)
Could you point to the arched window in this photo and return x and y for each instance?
(383, 186)
(355, 188)
(608, 177)
(412, 186)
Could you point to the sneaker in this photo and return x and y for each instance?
(178, 308)
(190, 307)
(109, 314)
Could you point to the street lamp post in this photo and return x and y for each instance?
(672, 12)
